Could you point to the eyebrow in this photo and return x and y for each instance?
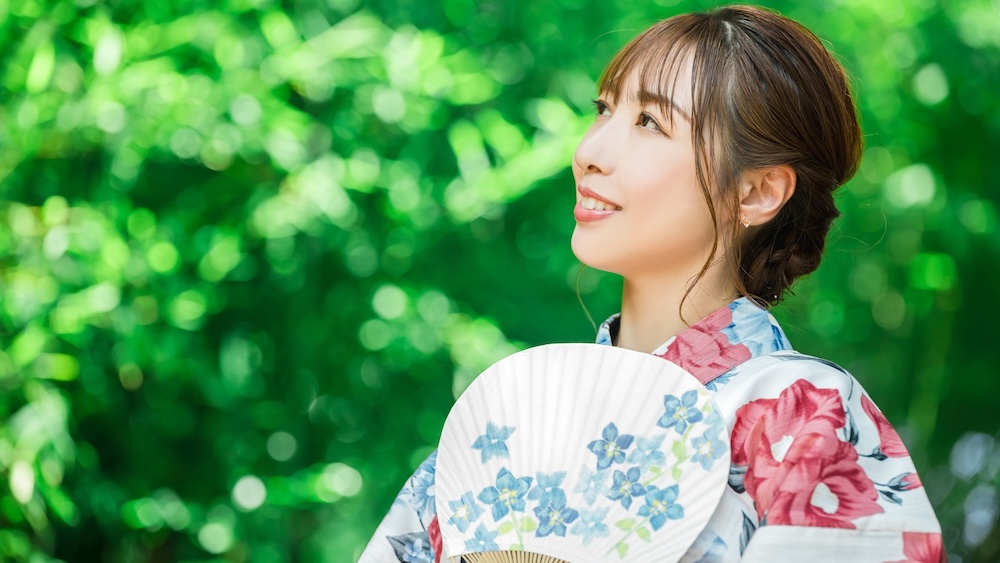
(646, 97)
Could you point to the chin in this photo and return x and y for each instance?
(595, 253)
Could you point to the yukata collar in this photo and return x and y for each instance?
(718, 343)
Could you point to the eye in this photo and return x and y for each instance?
(602, 107)
(646, 121)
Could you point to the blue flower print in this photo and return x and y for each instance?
(482, 541)
(604, 332)
(612, 448)
(754, 328)
(464, 512)
(591, 524)
(723, 379)
(547, 487)
(708, 448)
(507, 495)
(412, 548)
(421, 489)
(553, 517)
(420, 503)
(707, 548)
(647, 452)
(660, 506)
(626, 486)
(591, 483)
(680, 412)
(418, 552)
(494, 442)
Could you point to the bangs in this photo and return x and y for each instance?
(649, 67)
(653, 61)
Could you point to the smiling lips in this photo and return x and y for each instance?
(592, 207)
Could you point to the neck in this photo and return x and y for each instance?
(652, 312)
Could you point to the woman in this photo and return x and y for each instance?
(706, 182)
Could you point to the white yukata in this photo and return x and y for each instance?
(818, 474)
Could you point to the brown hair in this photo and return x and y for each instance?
(765, 92)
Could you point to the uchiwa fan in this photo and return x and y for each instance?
(579, 452)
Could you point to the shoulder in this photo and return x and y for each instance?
(786, 394)
(769, 375)
(801, 422)
(794, 394)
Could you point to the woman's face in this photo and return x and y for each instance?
(640, 210)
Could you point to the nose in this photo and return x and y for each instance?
(596, 151)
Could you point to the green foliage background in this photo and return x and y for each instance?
(250, 250)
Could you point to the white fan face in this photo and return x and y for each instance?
(583, 453)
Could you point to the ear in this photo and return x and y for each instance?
(764, 192)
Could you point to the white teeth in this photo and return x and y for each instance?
(596, 205)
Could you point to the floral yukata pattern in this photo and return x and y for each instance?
(817, 472)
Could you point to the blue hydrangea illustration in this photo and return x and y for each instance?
(660, 506)
(464, 511)
(553, 517)
(715, 423)
(591, 524)
(680, 412)
(494, 442)
(612, 448)
(708, 448)
(547, 487)
(626, 486)
(482, 541)
(591, 483)
(647, 452)
(507, 495)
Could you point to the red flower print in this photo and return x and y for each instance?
(909, 482)
(891, 445)
(799, 471)
(704, 350)
(801, 409)
(434, 533)
(819, 483)
(922, 548)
